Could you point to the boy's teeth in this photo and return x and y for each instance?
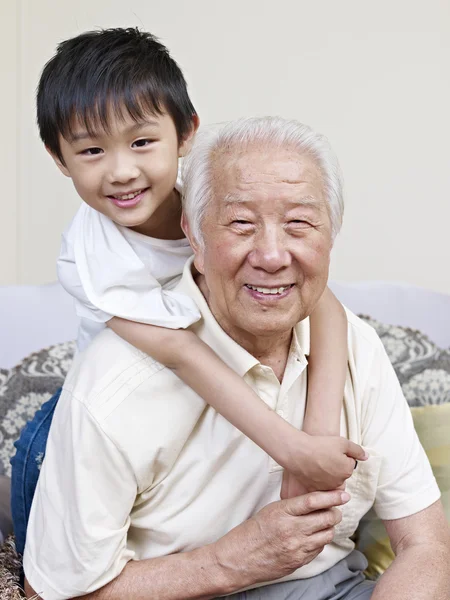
(128, 196)
(264, 290)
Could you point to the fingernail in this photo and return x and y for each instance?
(366, 455)
(345, 496)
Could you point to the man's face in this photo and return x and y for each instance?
(127, 173)
(267, 242)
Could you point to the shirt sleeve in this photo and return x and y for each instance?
(77, 531)
(107, 278)
(406, 482)
(70, 277)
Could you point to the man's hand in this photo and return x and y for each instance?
(320, 463)
(279, 539)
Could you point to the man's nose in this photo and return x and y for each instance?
(270, 250)
(122, 168)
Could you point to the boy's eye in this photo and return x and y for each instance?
(142, 143)
(91, 151)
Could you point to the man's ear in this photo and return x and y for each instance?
(189, 138)
(58, 162)
(196, 247)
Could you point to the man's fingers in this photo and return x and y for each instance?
(320, 539)
(356, 452)
(314, 501)
(321, 520)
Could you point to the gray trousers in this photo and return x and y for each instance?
(344, 581)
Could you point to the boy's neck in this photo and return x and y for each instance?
(165, 222)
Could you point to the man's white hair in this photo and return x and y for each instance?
(268, 133)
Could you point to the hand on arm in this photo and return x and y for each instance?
(321, 463)
(421, 568)
(279, 539)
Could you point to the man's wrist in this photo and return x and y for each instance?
(222, 573)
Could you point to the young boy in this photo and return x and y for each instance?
(115, 115)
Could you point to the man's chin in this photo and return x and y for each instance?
(270, 329)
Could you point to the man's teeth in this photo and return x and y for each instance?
(128, 196)
(264, 290)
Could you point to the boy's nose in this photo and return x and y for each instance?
(122, 171)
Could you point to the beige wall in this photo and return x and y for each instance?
(8, 145)
(372, 76)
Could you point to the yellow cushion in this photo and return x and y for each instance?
(432, 424)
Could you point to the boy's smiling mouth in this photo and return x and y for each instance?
(128, 200)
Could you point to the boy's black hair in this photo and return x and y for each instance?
(119, 70)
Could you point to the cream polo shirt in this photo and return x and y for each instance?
(138, 466)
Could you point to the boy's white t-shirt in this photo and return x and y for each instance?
(113, 271)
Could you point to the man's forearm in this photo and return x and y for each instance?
(191, 575)
(420, 572)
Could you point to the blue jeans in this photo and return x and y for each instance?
(26, 463)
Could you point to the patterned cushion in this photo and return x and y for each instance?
(424, 373)
(24, 388)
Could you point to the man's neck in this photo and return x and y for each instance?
(271, 351)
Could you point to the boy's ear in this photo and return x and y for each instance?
(58, 162)
(187, 142)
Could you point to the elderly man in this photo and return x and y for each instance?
(146, 492)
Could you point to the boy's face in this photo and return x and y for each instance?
(129, 172)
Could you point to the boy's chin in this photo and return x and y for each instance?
(130, 217)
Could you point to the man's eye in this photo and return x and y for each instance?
(242, 223)
(142, 143)
(91, 151)
(299, 222)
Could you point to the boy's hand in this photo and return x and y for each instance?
(322, 463)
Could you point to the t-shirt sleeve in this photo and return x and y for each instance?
(70, 279)
(406, 482)
(77, 531)
(106, 276)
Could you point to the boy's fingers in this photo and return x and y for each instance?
(356, 452)
(314, 501)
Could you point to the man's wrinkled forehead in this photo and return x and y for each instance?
(238, 171)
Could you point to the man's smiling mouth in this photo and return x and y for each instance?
(269, 291)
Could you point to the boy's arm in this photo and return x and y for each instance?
(327, 367)
(323, 461)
